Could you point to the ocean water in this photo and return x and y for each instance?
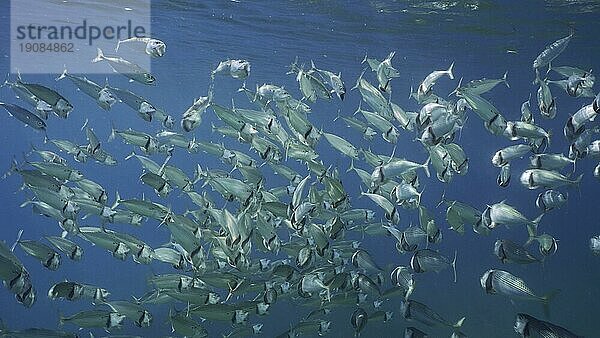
(481, 38)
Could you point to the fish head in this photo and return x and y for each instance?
(540, 203)
(486, 281)
(149, 78)
(522, 325)
(499, 250)
(145, 319)
(19, 283)
(106, 98)
(188, 124)
(53, 262)
(114, 320)
(527, 179)
(27, 297)
(595, 243)
(497, 159)
(156, 48)
(63, 108)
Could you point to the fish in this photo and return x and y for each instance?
(30, 119)
(595, 245)
(359, 320)
(71, 291)
(501, 282)
(342, 145)
(527, 326)
(152, 47)
(334, 80)
(503, 178)
(504, 214)
(66, 246)
(430, 80)
(509, 252)
(49, 258)
(192, 117)
(505, 155)
(424, 260)
(551, 52)
(60, 105)
(237, 69)
(419, 312)
(41, 107)
(101, 94)
(546, 102)
(541, 178)
(127, 68)
(550, 199)
(134, 312)
(484, 85)
(142, 107)
(94, 318)
(550, 161)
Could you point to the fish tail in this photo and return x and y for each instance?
(12, 248)
(358, 81)
(442, 199)
(364, 59)
(505, 80)
(574, 164)
(454, 266)
(63, 75)
(459, 323)
(426, 166)
(113, 134)
(61, 319)
(449, 71)
(5, 80)
(130, 155)
(351, 167)
(457, 87)
(546, 299)
(537, 220)
(12, 169)
(99, 57)
(532, 233)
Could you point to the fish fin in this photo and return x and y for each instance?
(426, 166)
(358, 81)
(505, 81)
(546, 299)
(442, 199)
(61, 319)
(453, 265)
(457, 87)
(537, 220)
(99, 57)
(12, 248)
(63, 75)
(112, 136)
(351, 167)
(459, 323)
(12, 169)
(449, 71)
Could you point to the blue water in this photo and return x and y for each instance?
(475, 35)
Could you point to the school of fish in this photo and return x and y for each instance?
(249, 244)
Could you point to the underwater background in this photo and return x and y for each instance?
(482, 38)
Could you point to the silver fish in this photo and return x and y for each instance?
(127, 68)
